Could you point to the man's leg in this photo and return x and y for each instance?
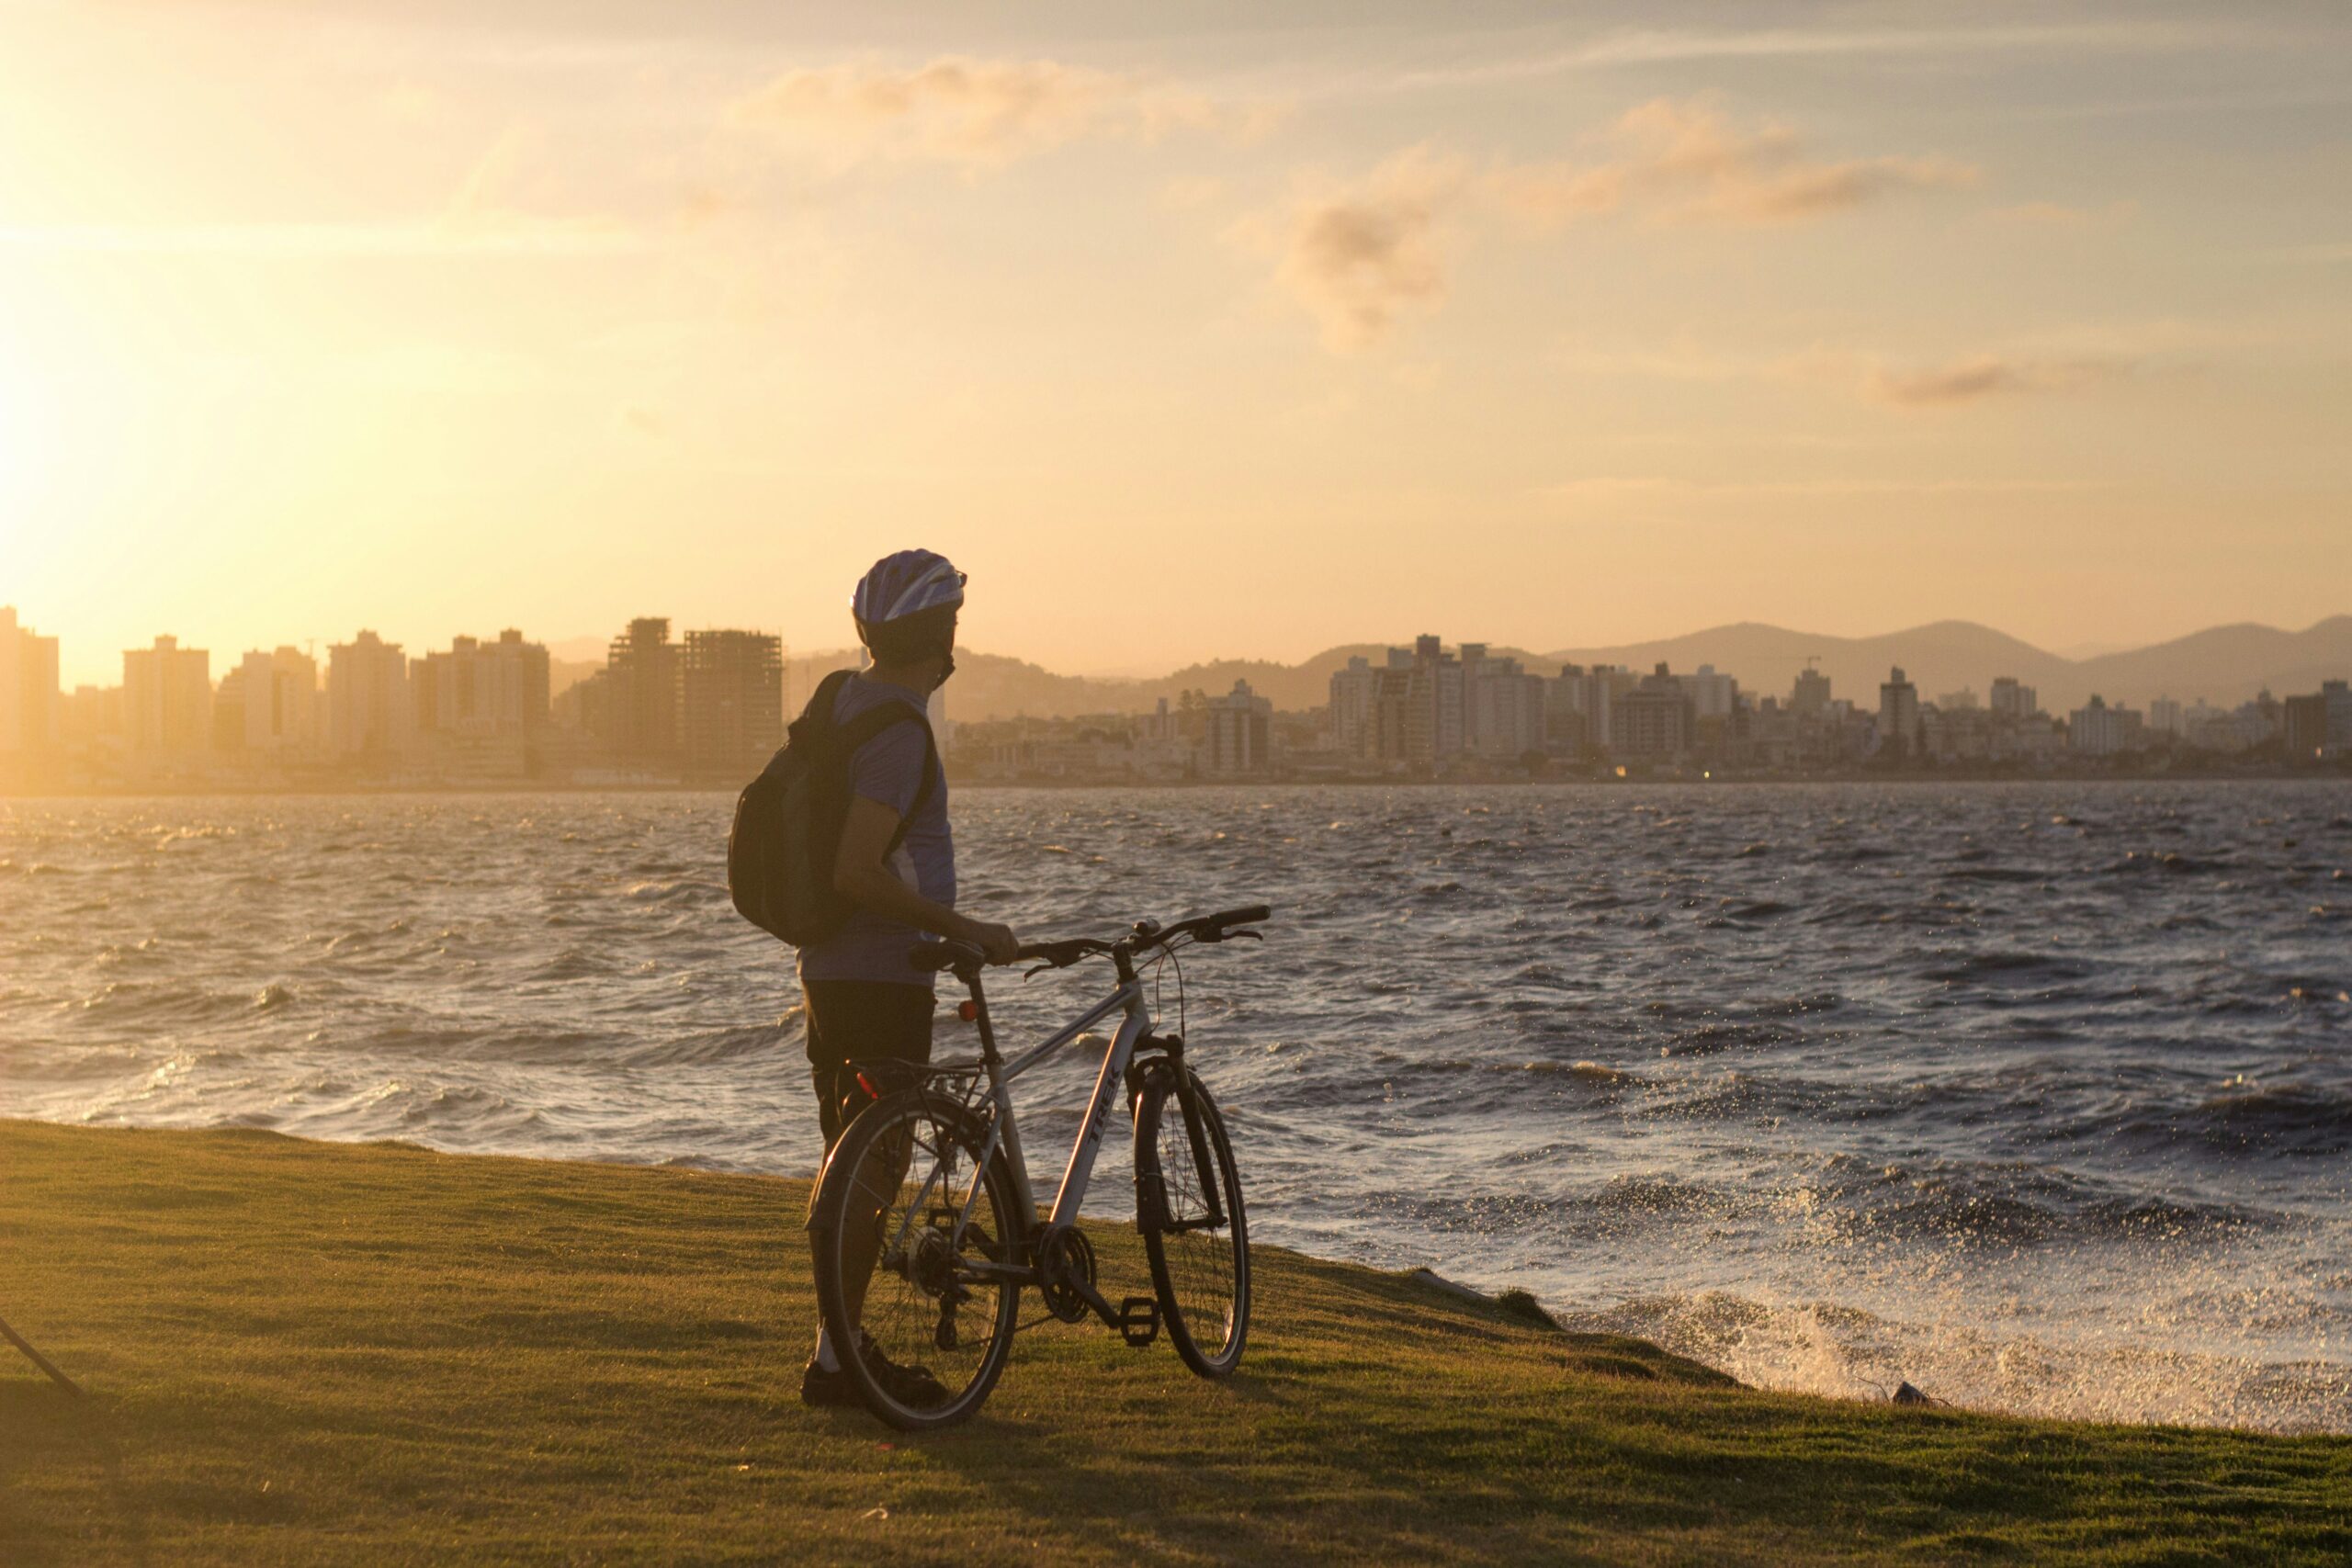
(852, 1021)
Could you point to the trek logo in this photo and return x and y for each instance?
(1092, 1128)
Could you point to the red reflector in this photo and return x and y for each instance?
(867, 1085)
(967, 1010)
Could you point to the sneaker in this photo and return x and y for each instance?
(831, 1389)
(913, 1387)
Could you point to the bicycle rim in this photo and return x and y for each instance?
(1201, 1270)
(904, 1179)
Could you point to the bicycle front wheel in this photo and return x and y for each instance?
(915, 1243)
(1188, 1205)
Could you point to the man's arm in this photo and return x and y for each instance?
(860, 876)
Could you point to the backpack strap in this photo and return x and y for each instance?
(818, 713)
(872, 722)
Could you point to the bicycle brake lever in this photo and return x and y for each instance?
(1032, 974)
(1252, 935)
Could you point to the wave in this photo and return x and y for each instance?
(1906, 1056)
(2007, 969)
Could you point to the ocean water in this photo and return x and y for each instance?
(2038, 1096)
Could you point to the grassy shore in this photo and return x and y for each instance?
(312, 1353)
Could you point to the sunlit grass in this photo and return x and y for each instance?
(313, 1353)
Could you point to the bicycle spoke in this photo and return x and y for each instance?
(900, 1187)
(1199, 1250)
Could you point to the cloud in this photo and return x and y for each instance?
(1640, 47)
(1687, 160)
(1360, 258)
(1982, 376)
(975, 113)
(2057, 215)
(1618, 491)
(2051, 367)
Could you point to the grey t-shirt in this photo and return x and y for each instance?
(888, 769)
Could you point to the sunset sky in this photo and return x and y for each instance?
(1188, 330)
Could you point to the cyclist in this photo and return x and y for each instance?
(863, 998)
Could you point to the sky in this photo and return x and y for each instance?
(1190, 331)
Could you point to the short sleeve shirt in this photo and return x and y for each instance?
(888, 769)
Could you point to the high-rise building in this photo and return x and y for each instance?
(641, 699)
(167, 699)
(229, 712)
(2014, 701)
(732, 706)
(477, 688)
(1579, 701)
(1811, 698)
(1414, 709)
(30, 716)
(2319, 725)
(92, 719)
(1502, 705)
(1898, 716)
(368, 710)
(1355, 694)
(281, 701)
(1240, 739)
(2098, 730)
(1433, 713)
(1712, 694)
(1653, 721)
(2166, 717)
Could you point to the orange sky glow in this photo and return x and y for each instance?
(1187, 331)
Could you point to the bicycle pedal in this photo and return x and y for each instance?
(1139, 1320)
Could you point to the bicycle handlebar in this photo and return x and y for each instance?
(933, 956)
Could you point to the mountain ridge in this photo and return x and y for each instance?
(2223, 664)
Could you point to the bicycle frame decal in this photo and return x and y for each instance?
(1089, 1130)
(1127, 998)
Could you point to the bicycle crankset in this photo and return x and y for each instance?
(1065, 1272)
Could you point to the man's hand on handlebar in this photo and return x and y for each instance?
(996, 943)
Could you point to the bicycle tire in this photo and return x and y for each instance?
(857, 1175)
(1202, 1275)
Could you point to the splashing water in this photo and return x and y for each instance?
(2035, 1096)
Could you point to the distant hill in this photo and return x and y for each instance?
(990, 686)
(2224, 665)
(565, 674)
(1945, 656)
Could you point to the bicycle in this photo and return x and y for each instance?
(928, 1184)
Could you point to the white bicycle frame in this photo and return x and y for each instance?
(1005, 1133)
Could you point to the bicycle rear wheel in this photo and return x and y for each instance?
(904, 1280)
(1188, 1205)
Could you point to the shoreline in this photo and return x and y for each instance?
(303, 1351)
(228, 790)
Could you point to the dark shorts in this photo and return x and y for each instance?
(860, 1021)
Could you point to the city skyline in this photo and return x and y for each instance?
(712, 705)
(78, 664)
(1513, 316)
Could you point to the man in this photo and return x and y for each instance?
(863, 997)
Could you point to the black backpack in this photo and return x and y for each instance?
(788, 820)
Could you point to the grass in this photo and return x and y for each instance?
(314, 1353)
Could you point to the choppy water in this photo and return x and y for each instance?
(2039, 1096)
